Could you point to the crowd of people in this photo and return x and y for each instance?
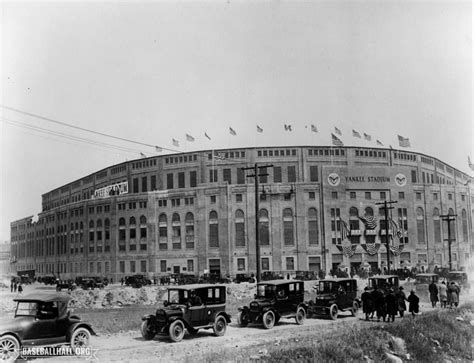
(446, 294)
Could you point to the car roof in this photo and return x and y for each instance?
(44, 297)
(457, 272)
(278, 282)
(426, 274)
(383, 276)
(194, 286)
(339, 279)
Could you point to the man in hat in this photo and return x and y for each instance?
(367, 303)
(391, 303)
(433, 289)
(401, 298)
(413, 303)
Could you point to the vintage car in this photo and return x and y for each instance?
(188, 307)
(65, 284)
(137, 281)
(383, 282)
(42, 319)
(271, 275)
(334, 295)
(244, 278)
(459, 277)
(274, 300)
(306, 275)
(423, 280)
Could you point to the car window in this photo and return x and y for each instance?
(25, 308)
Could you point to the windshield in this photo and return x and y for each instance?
(177, 296)
(26, 308)
(266, 291)
(426, 279)
(328, 287)
(457, 276)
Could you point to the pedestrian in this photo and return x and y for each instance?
(11, 286)
(20, 288)
(121, 280)
(443, 294)
(401, 298)
(455, 294)
(391, 303)
(367, 303)
(413, 303)
(433, 294)
(379, 303)
(15, 286)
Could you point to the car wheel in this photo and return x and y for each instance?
(9, 348)
(80, 338)
(220, 326)
(300, 315)
(176, 331)
(333, 312)
(147, 331)
(355, 308)
(242, 318)
(268, 319)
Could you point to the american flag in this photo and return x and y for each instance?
(288, 127)
(142, 155)
(336, 141)
(396, 249)
(345, 231)
(395, 228)
(259, 129)
(349, 250)
(403, 141)
(471, 165)
(355, 133)
(379, 143)
(370, 222)
(207, 136)
(367, 137)
(189, 138)
(175, 142)
(232, 131)
(158, 149)
(314, 128)
(337, 131)
(371, 248)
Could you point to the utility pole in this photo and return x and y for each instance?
(386, 206)
(448, 218)
(255, 175)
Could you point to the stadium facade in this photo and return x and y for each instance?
(195, 212)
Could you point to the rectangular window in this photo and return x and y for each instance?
(213, 199)
(313, 173)
(383, 195)
(181, 180)
(314, 264)
(352, 195)
(192, 179)
(122, 266)
(290, 263)
(226, 176)
(135, 185)
(401, 195)
(291, 174)
(132, 266)
(265, 264)
(262, 172)
(212, 176)
(450, 196)
(238, 198)
(418, 195)
(241, 264)
(142, 266)
(153, 182)
(144, 184)
(190, 264)
(334, 195)
(240, 176)
(368, 195)
(312, 195)
(277, 174)
(413, 176)
(169, 181)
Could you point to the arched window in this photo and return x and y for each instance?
(142, 220)
(213, 229)
(288, 229)
(239, 228)
(464, 225)
(313, 229)
(420, 225)
(436, 226)
(354, 224)
(263, 229)
(133, 221)
(369, 212)
(189, 223)
(176, 230)
(91, 224)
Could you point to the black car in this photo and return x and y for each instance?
(334, 295)
(65, 284)
(306, 275)
(244, 278)
(188, 307)
(42, 319)
(137, 281)
(383, 282)
(274, 300)
(459, 277)
(271, 275)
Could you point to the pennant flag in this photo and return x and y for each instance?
(232, 131)
(219, 155)
(313, 128)
(336, 141)
(158, 149)
(371, 248)
(370, 222)
(175, 142)
(288, 127)
(142, 155)
(259, 129)
(355, 133)
(337, 131)
(367, 137)
(471, 165)
(207, 136)
(379, 143)
(403, 141)
(189, 138)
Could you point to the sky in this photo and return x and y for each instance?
(153, 71)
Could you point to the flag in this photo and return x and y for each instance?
(379, 143)
(371, 248)
(142, 155)
(175, 142)
(207, 136)
(232, 131)
(313, 128)
(370, 222)
(189, 138)
(288, 127)
(396, 249)
(219, 155)
(355, 133)
(395, 228)
(367, 137)
(158, 149)
(349, 251)
(337, 131)
(471, 165)
(259, 129)
(403, 141)
(345, 231)
(336, 141)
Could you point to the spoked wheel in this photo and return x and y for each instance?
(333, 312)
(220, 326)
(242, 318)
(268, 319)
(355, 308)
(9, 348)
(300, 315)
(147, 330)
(80, 338)
(177, 331)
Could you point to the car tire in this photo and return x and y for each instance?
(333, 311)
(242, 319)
(220, 326)
(268, 319)
(300, 315)
(9, 348)
(81, 337)
(355, 308)
(176, 331)
(147, 333)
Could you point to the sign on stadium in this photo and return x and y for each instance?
(111, 190)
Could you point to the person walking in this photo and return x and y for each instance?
(121, 280)
(391, 303)
(443, 294)
(367, 303)
(413, 303)
(401, 298)
(15, 286)
(11, 286)
(20, 288)
(433, 294)
(454, 294)
(379, 303)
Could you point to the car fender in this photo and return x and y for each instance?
(244, 308)
(13, 334)
(75, 326)
(225, 315)
(149, 317)
(303, 305)
(268, 308)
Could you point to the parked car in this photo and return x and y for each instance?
(383, 282)
(306, 275)
(49, 280)
(274, 300)
(137, 281)
(88, 283)
(42, 319)
(423, 280)
(403, 273)
(214, 278)
(244, 278)
(335, 295)
(188, 307)
(460, 277)
(65, 284)
(271, 275)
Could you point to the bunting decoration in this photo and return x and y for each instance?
(348, 250)
(218, 155)
(395, 229)
(403, 141)
(370, 222)
(368, 137)
(371, 248)
(396, 248)
(336, 141)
